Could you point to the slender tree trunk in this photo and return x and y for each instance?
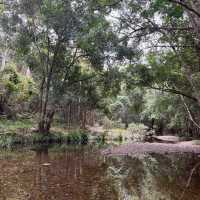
(46, 117)
(4, 59)
(126, 124)
(46, 121)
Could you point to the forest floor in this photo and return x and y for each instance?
(136, 133)
(110, 134)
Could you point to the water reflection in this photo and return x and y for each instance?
(156, 177)
(80, 173)
(76, 173)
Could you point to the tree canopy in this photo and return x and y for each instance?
(101, 52)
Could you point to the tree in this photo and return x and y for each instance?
(166, 35)
(128, 106)
(15, 88)
(53, 39)
(9, 22)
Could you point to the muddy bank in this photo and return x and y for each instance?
(159, 148)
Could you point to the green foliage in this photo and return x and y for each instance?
(102, 138)
(16, 86)
(171, 10)
(120, 138)
(107, 123)
(94, 53)
(19, 133)
(77, 137)
(9, 140)
(118, 124)
(1, 8)
(73, 137)
(137, 132)
(12, 126)
(127, 107)
(164, 107)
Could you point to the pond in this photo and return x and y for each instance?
(82, 173)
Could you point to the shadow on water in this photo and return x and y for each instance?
(81, 173)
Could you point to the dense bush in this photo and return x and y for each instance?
(77, 137)
(167, 111)
(107, 123)
(15, 90)
(19, 87)
(137, 132)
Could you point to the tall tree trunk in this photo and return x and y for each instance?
(46, 117)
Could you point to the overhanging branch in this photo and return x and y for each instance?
(173, 91)
(184, 5)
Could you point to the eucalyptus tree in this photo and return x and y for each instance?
(9, 22)
(53, 39)
(166, 35)
(128, 106)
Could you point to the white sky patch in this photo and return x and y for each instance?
(23, 18)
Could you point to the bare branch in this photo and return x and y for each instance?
(189, 113)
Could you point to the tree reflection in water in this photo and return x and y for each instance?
(81, 173)
(155, 176)
(77, 173)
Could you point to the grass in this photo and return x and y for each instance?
(19, 132)
(12, 139)
(17, 125)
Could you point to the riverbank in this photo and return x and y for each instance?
(22, 132)
(135, 132)
(158, 148)
(12, 139)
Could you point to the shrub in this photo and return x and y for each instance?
(77, 137)
(118, 124)
(107, 123)
(120, 138)
(101, 139)
(137, 132)
(10, 139)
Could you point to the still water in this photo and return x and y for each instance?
(82, 173)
